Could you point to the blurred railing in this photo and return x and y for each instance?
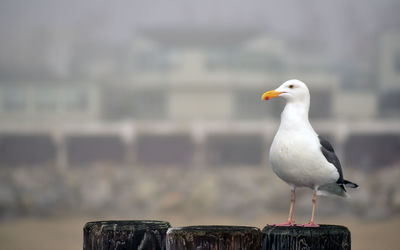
(359, 144)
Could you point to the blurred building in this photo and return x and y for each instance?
(389, 76)
(190, 97)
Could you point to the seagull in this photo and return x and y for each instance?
(298, 155)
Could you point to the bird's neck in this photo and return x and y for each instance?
(294, 115)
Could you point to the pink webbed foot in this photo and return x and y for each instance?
(285, 224)
(309, 224)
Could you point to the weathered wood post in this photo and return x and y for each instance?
(327, 237)
(124, 235)
(214, 237)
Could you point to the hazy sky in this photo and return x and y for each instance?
(338, 29)
(119, 18)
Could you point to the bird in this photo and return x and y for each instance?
(298, 155)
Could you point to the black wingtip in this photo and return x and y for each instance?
(350, 184)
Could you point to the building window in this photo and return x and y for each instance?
(248, 61)
(123, 103)
(154, 61)
(92, 149)
(74, 98)
(171, 149)
(249, 106)
(149, 104)
(15, 98)
(397, 62)
(46, 99)
(389, 104)
(370, 151)
(321, 104)
(26, 149)
(234, 149)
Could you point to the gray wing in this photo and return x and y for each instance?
(329, 153)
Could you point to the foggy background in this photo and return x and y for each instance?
(152, 110)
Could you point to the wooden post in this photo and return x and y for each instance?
(214, 237)
(327, 237)
(121, 235)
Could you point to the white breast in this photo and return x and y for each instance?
(296, 158)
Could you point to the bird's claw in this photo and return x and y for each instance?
(309, 224)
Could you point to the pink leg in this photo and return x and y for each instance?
(290, 219)
(314, 203)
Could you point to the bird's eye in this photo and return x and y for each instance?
(291, 86)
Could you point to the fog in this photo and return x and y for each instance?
(151, 110)
(341, 34)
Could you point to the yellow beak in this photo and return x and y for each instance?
(270, 94)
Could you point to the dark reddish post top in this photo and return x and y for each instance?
(327, 237)
(124, 235)
(214, 237)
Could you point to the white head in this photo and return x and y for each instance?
(291, 91)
